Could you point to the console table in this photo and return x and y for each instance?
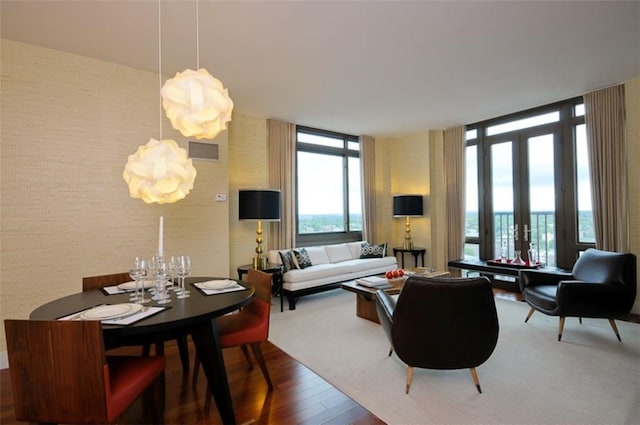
(416, 252)
(497, 270)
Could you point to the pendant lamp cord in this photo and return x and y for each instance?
(197, 35)
(160, 65)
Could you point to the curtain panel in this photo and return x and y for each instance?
(607, 144)
(454, 148)
(282, 157)
(367, 174)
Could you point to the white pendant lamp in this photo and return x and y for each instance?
(159, 172)
(196, 103)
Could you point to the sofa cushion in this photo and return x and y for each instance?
(363, 264)
(317, 272)
(288, 260)
(302, 258)
(354, 248)
(373, 250)
(338, 253)
(317, 255)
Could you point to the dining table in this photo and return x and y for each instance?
(187, 316)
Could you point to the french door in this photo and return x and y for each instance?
(522, 194)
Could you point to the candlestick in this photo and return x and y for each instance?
(161, 237)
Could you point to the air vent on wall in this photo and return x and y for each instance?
(206, 151)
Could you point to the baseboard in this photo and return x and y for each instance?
(4, 360)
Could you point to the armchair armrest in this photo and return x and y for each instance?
(591, 299)
(387, 302)
(540, 277)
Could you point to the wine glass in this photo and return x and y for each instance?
(160, 274)
(173, 265)
(136, 273)
(183, 270)
(139, 269)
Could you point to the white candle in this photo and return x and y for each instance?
(160, 237)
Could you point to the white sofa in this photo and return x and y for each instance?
(330, 265)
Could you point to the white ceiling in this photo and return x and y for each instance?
(360, 67)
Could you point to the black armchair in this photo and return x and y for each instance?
(441, 323)
(602, 284)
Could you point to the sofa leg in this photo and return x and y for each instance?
(292, 302)
(560, 327)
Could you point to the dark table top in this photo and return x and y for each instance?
(180, 314)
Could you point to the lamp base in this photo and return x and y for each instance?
(260, 262)
(408, 244)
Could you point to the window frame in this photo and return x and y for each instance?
(324, 238)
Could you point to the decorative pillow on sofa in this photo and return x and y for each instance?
(373, 250)
(288, 261)
(302, 258)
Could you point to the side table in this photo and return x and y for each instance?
(417, 251)
(276, 275)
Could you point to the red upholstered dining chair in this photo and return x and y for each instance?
(98, 282)
(249, 326)
(60, 374)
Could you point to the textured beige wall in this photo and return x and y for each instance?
(632, 98)
(248, 169)
(68, 124)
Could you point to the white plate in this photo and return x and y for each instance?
(113, 311)
(217, 284)
(130, 286)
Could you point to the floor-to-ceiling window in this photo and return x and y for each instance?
(328, 187)
(528, 189)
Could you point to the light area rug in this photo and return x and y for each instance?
(531, 378)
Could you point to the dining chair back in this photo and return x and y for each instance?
(101, 281)
(248, 327)
(98, 282)
(60, 374)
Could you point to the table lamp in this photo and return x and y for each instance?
(259, 204)
(407, 206)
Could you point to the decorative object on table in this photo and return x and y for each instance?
(602, 284)
(407, 206)
(395, 277)
(441, 323)
(196, 103)
(259, 204)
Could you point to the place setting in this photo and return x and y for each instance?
(115, 314)
(218, 286)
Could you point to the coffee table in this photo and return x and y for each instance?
(366, 299)
(366, 296)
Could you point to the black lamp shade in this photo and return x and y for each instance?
(259, 204)
(407, 205)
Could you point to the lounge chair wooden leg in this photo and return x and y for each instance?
(247, 357)
(560, 327)
(615, 328)
(474, 375)
(409, 376)
(257, 352)
(531, 311)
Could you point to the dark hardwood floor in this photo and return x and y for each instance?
(299, 397)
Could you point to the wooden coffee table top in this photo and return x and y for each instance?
(365, 291)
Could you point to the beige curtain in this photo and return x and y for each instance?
(606, 139)
(454, 145)
(367, 174)
(282, 156)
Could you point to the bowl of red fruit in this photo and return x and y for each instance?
(395, 277)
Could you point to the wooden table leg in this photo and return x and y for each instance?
(206, 340)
